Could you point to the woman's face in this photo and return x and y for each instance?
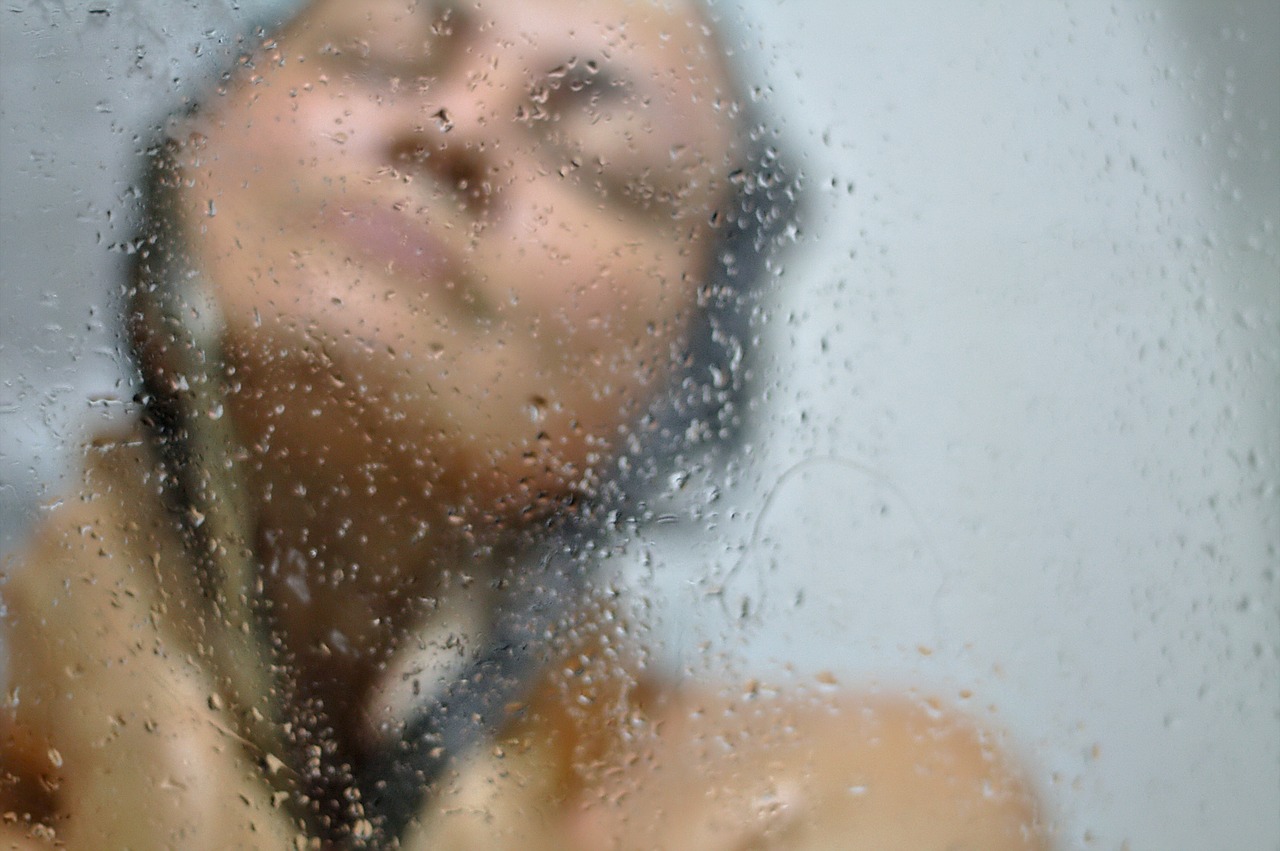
(462, 239)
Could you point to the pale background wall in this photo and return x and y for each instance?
(1020, 434)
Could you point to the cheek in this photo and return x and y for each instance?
(271, 148)
(629, 320)
(595, 278)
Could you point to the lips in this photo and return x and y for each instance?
(409, 249)
(393, 238)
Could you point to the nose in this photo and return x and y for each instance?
(456, 167)
(457, 136)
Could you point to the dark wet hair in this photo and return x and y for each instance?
(706, 411)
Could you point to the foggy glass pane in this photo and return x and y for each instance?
(975, 414)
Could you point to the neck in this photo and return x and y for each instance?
(349, 568)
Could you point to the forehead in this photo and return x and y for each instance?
(675, 30)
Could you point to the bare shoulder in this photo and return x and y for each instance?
(79, 537)
(60, 590)
(109, 736)
(814, 771)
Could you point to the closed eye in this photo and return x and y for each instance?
(582, 85)
(601, 134)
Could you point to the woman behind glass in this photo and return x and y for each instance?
(418, 279)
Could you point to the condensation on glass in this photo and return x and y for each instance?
(695, 425)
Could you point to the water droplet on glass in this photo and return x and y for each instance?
(537, 409)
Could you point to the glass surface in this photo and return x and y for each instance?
(1013, 433)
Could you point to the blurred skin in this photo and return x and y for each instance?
(456, 252)
(452, 232)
